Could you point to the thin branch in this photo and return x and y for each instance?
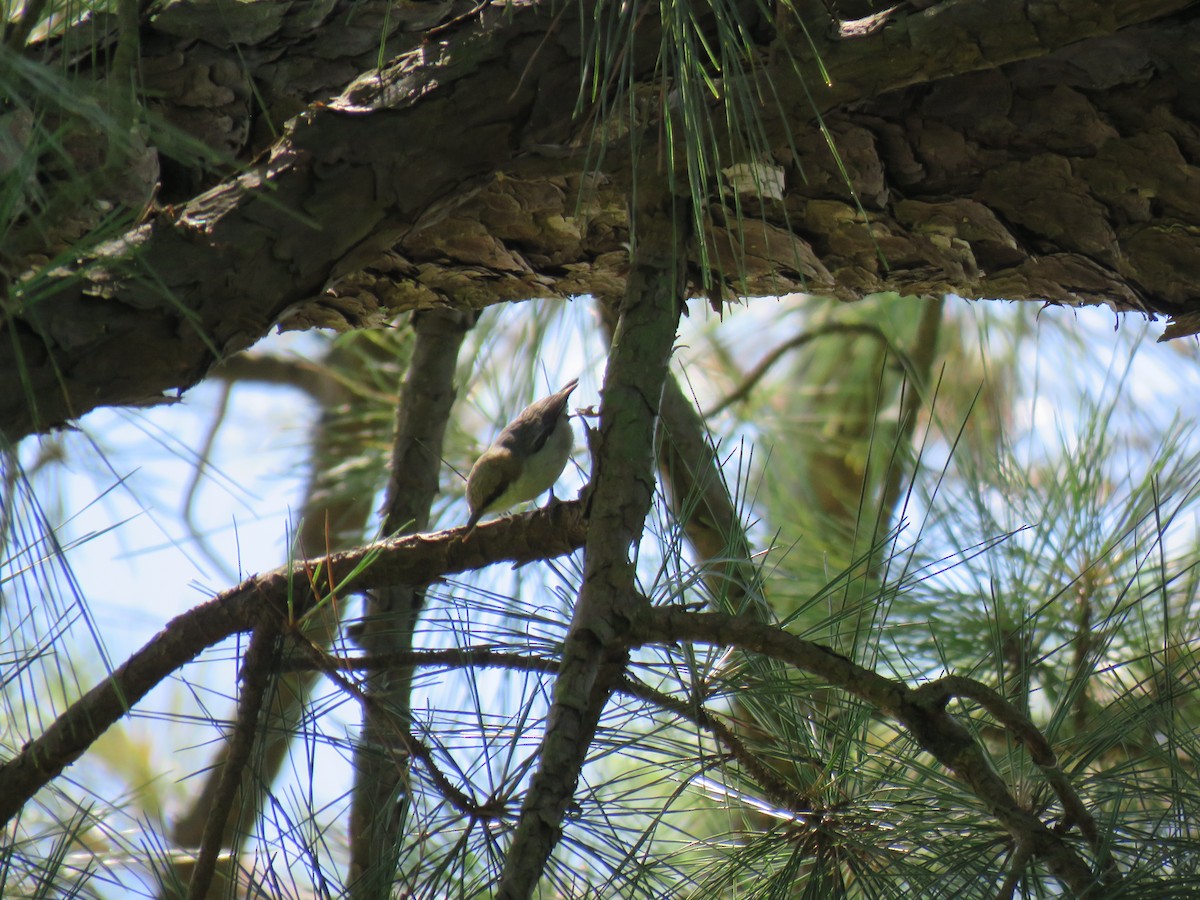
(257, 677)
(755, 375)
(379, 795)
(774, 788)
(319, 382)
(1026, 733)
(200, 468)
(923, 714)
(539, 534)
(1017, 865)
(466, 657)
(413, 747)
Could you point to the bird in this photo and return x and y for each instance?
(525, 459)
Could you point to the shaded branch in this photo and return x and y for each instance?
(379, 797)
(416, 559)
(755, 375)
(257, 676)
(940, 692)
(622, 486)
(923, 715)
(701, 498)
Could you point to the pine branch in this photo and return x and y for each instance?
(594, 655)
(381, 770)
(334, 518)
(284, 594)
(923, 715)
(257, 678)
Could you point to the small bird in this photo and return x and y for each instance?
(525, 460)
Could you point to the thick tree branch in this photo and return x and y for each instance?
(594, 654)
(211, 277)
(1029, 181)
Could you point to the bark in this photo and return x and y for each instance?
(283, 595)
(382, 757)
(993, 148)
(595, 656)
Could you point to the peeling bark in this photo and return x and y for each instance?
(995, 148)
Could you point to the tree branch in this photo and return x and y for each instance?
(755, 375)
(594, 654)
(257, 676)
(923, 715)
(939, 693)
(334, 518)
(351, 179)
(416, 559)
(381, 770)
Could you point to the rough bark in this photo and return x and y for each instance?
(595, 655)
(994, 148)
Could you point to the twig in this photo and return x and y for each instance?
(412, 746)
(774, 788)
(476, 657)
(759, 372)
